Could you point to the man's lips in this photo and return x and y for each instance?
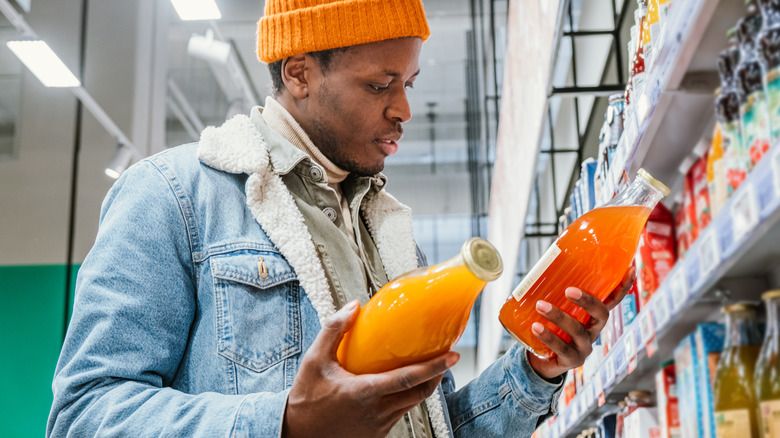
(389, 146)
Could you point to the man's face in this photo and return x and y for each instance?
(355, 109)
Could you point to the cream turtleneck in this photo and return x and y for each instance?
(280, 120)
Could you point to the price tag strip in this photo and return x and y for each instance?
(647, 330)
(631, 350)
(776, 169)
(661, 308)
(678, 287)
(744, 211)
(709, 256)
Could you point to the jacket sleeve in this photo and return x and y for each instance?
(507, 399)
(134, 306)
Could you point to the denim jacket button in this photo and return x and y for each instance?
(330, 213)
(315, 173)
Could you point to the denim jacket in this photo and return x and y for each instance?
(202, 292)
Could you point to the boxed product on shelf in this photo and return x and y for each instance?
(709, 338)
(630, 306)
(689, 207)
(681, 228)
(685, 370)
(569, 388)
(717, 185)
(700, 192)
(589, 183)
(668, 408)
(642, 423)
(655, 255)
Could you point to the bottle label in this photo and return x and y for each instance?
(734, 162)
(755, 127)
(730, 424)
(770, 418)
(533, 275)
(773, 97)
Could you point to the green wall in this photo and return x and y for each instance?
(31, 324)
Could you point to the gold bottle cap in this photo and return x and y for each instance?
(482, 259)
(654, 182)
(743, 306)
(771, 294)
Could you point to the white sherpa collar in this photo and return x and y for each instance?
(239, 146)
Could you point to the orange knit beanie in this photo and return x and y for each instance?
(291, 27)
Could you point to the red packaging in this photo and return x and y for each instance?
(700, 193)
(668, 410)
(681, 231)
(655, 255)
(689, 206)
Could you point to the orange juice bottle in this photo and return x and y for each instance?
(592, 254)
(420, 314)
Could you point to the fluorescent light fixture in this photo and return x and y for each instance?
(43, 63)
(197, 9)
(120, 162)
(208, 49)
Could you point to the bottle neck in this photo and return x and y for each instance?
(639, 193)
(772, 314)
(741, 329)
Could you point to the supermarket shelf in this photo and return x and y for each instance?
(742, 240)
(740, 245)
(677, 105)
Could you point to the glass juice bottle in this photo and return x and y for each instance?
(769, 54)
(750, 87)
(420, 314)
(592, 254)
(767, 377)
(734, 395)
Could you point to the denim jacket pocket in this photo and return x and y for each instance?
(257, 308)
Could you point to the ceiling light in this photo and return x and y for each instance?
(208, 49)
(43, 63)
(197, 9)
(121, 161)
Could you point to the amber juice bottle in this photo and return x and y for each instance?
(767, 377)
(734, 399)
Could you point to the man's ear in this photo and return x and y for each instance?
(295, 77)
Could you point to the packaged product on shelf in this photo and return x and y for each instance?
(728, 116)
(769, 53)
(750, 86)
(700, 193)
(638, 75)
(620, 419)
(578, 379)
(602, 241)
(689, 206)
(569, 388)
(651, 33)
(655, 256)
(605, 427)
(709, 338)
(716, 172)
(681, 226)
(685, 370)
(767, 373)
(589, 183)
(641, 416)
(734, 399)
(666, 394)
(664, 9)
(630, 306)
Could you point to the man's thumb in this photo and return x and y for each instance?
(338, 324)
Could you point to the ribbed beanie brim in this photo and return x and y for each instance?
(291, 27)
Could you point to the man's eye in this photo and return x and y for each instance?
(379, 87)
(409, 86)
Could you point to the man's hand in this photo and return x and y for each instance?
(328, 401)
(572, 354)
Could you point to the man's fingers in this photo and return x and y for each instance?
(622, 289)
(408, 377)
(578, 332)
(335, 327)
(556, 344)
(405, 400)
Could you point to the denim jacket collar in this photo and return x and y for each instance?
(242, 145)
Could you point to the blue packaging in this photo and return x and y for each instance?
(685, 368)
(709, 337)
(589, 168)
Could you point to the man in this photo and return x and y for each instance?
(207, 306)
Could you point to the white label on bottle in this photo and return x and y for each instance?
(734, 423)
(770, 419)
(533, 275)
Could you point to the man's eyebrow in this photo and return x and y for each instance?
(395, 74)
